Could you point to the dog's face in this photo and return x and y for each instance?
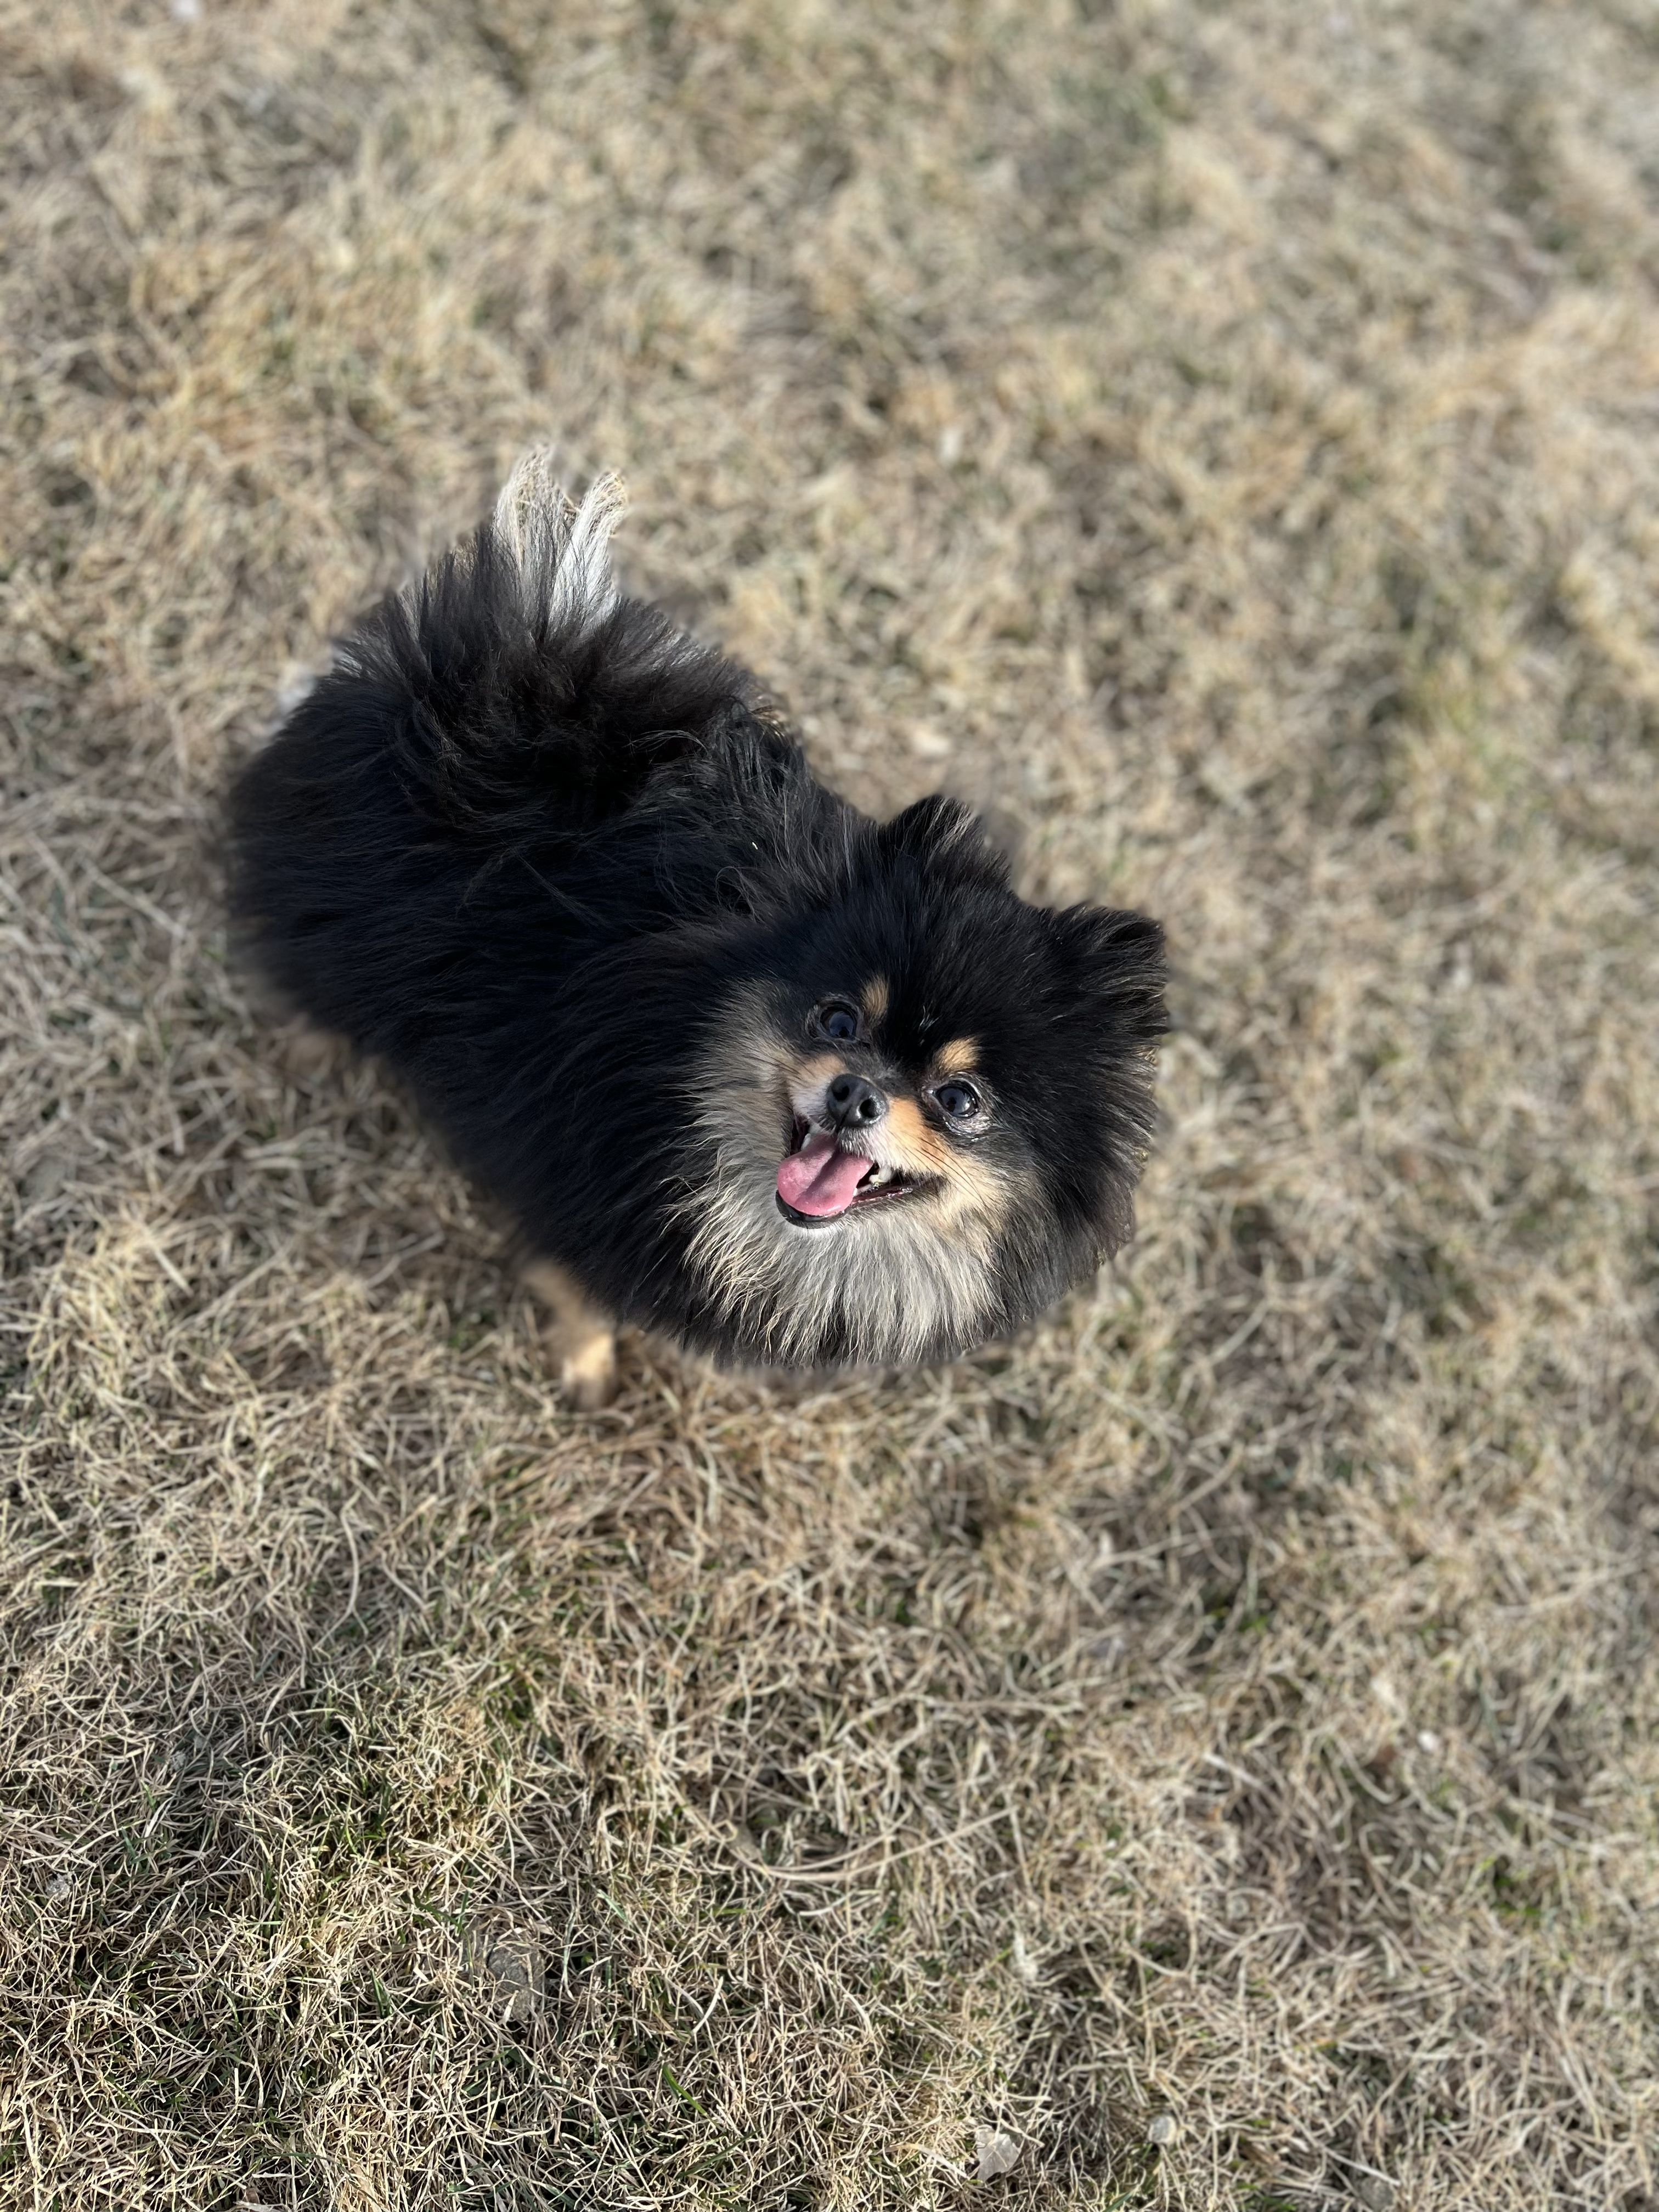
(880, 1116)
(926, 1102)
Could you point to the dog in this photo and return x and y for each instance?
(790, 1085)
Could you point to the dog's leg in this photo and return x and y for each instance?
(304, 1052)
(581, 1337)
(307, 1053)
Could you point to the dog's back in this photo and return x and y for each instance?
(508, 763)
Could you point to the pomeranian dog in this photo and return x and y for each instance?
(791, 1085)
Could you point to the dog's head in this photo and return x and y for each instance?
(927, 1102)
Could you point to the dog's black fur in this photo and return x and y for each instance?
(546, 857)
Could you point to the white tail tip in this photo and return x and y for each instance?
(563, 549)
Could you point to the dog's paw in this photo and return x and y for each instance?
(308, 1054)
(587, 1370)
(581, 1342)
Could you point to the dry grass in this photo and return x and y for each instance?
(1224, 438)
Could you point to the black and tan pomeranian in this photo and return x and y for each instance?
(791, 1085)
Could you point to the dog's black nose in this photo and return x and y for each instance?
(855, 1104)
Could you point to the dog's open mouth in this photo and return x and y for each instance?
(818, 1181)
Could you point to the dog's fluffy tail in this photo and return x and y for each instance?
(560, 548)
(512, 696)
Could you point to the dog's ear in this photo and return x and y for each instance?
(1110, 953)
(941, 828)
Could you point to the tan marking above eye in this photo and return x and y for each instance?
(959, 1057)
(874, 999)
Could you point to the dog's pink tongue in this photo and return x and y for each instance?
(820, 1179)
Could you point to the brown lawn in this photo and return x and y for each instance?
(1210, 1743)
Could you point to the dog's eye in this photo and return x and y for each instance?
(838, 1020)
(958, 1102)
